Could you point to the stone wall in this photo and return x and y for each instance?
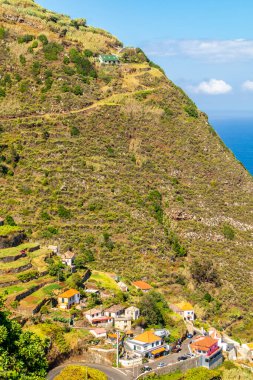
(17, 270)
(12, 240)
(182, 366)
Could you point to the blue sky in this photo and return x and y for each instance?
(206, 47)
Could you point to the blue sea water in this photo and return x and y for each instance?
(237, 134)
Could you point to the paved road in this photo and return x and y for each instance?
(112, 373)
(129, 373)
(169, 359)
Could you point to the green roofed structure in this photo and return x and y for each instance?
(109, 59)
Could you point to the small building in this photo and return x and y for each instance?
(68, 258)
(54, 249)
(69, 298)
(103, 321)
(98, 332)
(1, 221)
(142, 285)
(122, 323)
(93, 314)
(132, 312)
(147, 344)
(209, 351)
(123, 287)
(109, 59)
(114, 311)
(213, 333)
(185, 309)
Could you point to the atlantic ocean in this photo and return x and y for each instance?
(237, 134)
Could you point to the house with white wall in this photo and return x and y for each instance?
(132, 312)
(147, 344)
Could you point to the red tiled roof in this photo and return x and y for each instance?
(204, 343)
(142, 285)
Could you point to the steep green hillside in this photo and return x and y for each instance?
(118, 160)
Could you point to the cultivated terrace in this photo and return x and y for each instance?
(103, 156)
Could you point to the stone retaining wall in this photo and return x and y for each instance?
(12, 240)
(22, 268)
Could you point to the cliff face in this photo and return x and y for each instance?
(119, 161)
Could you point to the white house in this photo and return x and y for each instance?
(185, 309)
(93, 314)
(114, 311)
(122, 323)
(147, 344)
(98, 332)
(132, 312)
(68, 258)
(69, 298)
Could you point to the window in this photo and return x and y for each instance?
(62, 300)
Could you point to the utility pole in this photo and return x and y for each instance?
(117, 360)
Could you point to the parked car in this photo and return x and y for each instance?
(183, 357)
(146, 368)
(161, 364)
(189, 336)
(175, 349)
(190, 355)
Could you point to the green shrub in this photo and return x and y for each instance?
(74, 131)
(69, 70)
(2, 33)
(2, 92)
(25, 277)
(192, 110)
(36, 66)
(88, 53)
(24, 86)
(25, 39)
(48, 85)
(35, 44)
(77, 90)
(22, 60)
(52, 51)
(42, 38)
(76, 372)
(63, 212)
(9, 221)
(228, 232)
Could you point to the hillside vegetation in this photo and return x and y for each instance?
(117, 160)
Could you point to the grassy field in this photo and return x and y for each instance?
(104, 280)
(7, 230)
(15, 264)
(36, 297)
(13, 251)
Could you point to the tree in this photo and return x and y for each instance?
(75, 281)
(22, 354)
(204, 271)
(150, 308)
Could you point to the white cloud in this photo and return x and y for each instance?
(207, 50)
(247, 85)
(212, 87)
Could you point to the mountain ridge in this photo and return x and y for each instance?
(120, 161)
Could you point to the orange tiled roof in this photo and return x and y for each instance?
(184, 306)
(142, 285)
(147, 337)
(69, 293)
(204, 344)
